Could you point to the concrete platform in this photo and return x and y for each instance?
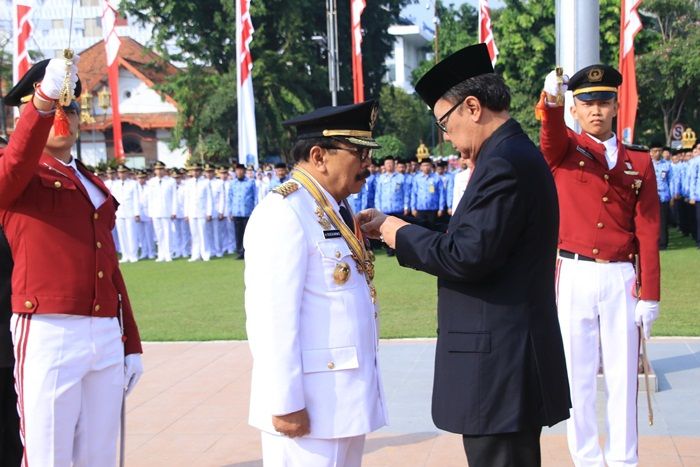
(190, 409)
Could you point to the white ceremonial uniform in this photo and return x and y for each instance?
(147, 236)
(217, 226)
(199, 204)
(461, 179)
(313, 341)
(181, 238)
(161, 194)
(127, 193)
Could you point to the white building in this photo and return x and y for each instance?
(412, 45)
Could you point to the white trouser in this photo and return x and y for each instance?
(69, 374)
(127, 231)
(215, 240)
(200, 242)
(596, 310)
(115, 237)
(146, 238)
(178, 246)
(281, 451)
(163, 227)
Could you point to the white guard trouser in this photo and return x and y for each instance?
(214, 230)
(200, 240)
(127, 231)
(180, 245)
(69, 374)
(596, 311)
(281, 451)
(164, 233)
(147, 239)
(115, 237)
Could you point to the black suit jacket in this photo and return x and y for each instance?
(6, 352)
(499, 364)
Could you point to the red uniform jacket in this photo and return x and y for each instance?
(64, 256)
(609, 214)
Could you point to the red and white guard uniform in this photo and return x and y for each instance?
(66, 283)
(609, 211)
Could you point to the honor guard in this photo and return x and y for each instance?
(316, 389)
(126, 191)
(161, 193)
(609, 220)
(241, 201)
(199, 208)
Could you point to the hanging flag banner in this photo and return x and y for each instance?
(247, 136)
(485, 32)
(630, 25)
(356, 9)
(22, 26)
(112, 44)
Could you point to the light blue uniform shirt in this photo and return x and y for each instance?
(676, 179)
(391, 193)
(694, 179)
(448, 181)
(275, 182)
(662, 168)
(242, 196)
(427, 193)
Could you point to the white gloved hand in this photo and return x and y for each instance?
(552, 86)
(54, 75)
(645, 313)
(133, 369)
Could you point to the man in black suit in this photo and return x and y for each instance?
(500, 373)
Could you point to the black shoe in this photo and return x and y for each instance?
(240, 256)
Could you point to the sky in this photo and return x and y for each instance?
(420, 12)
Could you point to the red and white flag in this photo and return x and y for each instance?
(358, 82)
(112, 43)
(247, 135)
(485, 32)
(630, 25)
(21, 14)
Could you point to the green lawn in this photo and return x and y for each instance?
(204, 301)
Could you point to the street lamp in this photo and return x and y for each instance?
(330, 43)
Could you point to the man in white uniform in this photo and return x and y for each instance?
(461, 180)
(161, 200)
(180, 246)
(316, 389)
(199, 205)
(146, 234)
(126, 191)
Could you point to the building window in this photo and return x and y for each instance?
(93, 27)
(57, 24)
(132, 145)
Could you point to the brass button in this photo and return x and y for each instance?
(97, 307)
(606, 176)
(631, 256)
(337, 254)
(57, 184)
(331, 365)
(599, 225)
(28, 305)
(605, 199)
(99, 244)
(100, 274)
(581, 163)
(95, 216)
(596, 251)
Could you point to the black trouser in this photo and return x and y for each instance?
(693, 220)
(10, 443)
(519, 449)
(239, 224)
(683, 217)
(697, 223)
(663, 226)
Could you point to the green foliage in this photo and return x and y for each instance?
(404, 116)
(391, 146)
(444, 149)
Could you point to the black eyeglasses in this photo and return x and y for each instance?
(362, 154)
(442, 121)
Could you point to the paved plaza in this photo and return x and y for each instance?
(190, 409)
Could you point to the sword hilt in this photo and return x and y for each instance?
(65, 97)
(560, 81)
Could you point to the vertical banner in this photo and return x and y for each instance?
(22, 27)
(485, 32)
(358, 83)
(247, 136)
(630, 25)
(112, 44)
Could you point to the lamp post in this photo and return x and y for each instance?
(103, 102)
(86, 118)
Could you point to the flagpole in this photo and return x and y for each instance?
(332, 31)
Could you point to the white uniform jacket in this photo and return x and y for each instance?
(127, 193)
(161, 194)
(199, 201)
(314, 342)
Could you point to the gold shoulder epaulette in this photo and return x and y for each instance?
(287, 188)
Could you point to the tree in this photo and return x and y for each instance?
(391, 146)
(668, 74)
(404, 116)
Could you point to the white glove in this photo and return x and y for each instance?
(645, 313)
(552, 86)
(133, 369)
(54, 75)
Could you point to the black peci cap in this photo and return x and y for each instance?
(595, 82)
(25, 86)
(353, 123)
(466, 63)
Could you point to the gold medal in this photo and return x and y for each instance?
(341, 273)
